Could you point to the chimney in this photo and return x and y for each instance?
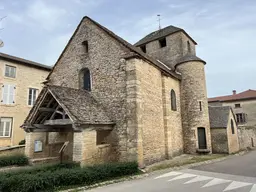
(234, 92)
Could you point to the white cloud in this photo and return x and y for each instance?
(39, 13)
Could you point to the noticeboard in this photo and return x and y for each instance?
(38, 146)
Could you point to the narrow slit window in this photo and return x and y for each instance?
(189, 47)
(200, 105)
(86, 47)
(173, 100)
(162, 42)
(232, 127)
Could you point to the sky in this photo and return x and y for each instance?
(225, 31)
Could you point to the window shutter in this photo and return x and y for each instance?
(12, 94)
(5, 94)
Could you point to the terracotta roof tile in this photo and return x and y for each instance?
(249, 94)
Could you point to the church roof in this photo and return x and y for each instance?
(80, 105)
(219, 116)
(249, 94)
(160, 34)
(188, 58)
(136, 52)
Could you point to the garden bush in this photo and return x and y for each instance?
(51, 179)
(9, 160)
(22, 142)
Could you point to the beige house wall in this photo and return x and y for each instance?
(26, 77)
(248, 107)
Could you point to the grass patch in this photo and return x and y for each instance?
(50, 178)
(184, 161)
(10, 160)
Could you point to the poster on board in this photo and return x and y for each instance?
(38, 146)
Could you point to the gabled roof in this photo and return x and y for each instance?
(24, 61)
(79, 104)
(160, 34)
(249, 94)
(136, 52)
(219, 116)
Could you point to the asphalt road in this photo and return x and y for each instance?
(234, 174)
(244, 165)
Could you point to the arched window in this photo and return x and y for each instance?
(232, 126)
(85, 79)
(173, 100)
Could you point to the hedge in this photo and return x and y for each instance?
(49, 180)
(22, 142)
(40, 168)
(9, 160)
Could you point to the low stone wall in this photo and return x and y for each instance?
(19, 149)
(219, 140)
(247, 136)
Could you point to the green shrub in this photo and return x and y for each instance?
(48, 180)
(40, 168)
(9, 160)
(22, 142)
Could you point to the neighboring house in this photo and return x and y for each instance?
(113, 101)
(244, 107)
(20, 81)
(224, 132)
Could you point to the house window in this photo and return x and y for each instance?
(241, 117)
(162, 42)
(237, 105)
(85, 79)
(189, 47)
(5, 126)
(85, 44)
(102, 136)
(143, 48)
(173, 100)
(10, 71)
(32, 94)
(232, 126)
(200, 105)
(8, 94)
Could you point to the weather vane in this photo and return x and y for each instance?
(159, 20)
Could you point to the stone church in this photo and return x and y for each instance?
(113, 101)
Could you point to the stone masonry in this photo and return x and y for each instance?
(134, 89)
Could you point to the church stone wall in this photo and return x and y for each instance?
(150, 113)
(108, 75)
(168, 54)
(219, 140)
(153, 129)
(193, 90)
(172, 119)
